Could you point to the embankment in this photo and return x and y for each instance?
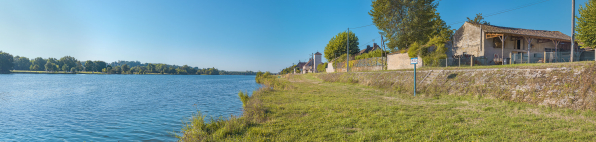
(552, 85)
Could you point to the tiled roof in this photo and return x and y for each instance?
(526, 32)
(368, 49)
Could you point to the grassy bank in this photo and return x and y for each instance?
(304, 108)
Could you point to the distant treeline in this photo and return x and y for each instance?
(72, 65)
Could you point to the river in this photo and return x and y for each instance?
(64, 107)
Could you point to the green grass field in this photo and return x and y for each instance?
(307, 109)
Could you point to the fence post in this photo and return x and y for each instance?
(472, 61)
(459, 61)
(544, 60)
(511, 59)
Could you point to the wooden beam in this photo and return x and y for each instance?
(493, 35)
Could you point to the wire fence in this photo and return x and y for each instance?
(460, 61)
(552, 57)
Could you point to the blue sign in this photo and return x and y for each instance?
(414, 60)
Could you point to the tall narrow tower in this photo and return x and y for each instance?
(317, 60)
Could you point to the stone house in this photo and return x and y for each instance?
(368, 49)
(495, 43)
(311, 65)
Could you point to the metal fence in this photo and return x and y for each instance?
(463, 61)
(552, 57)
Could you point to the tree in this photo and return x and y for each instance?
(51, 66)
(21, 63)
(79, 66)
(73, 70)
(89, 65)
(53, 61)
(99, 65)
(6, 62)
(478, 20)
(586, 24)
(407, 21)
(337, 45)
(125, 69)
(65, 68)
(150, 67)
(68, 61)
(38, 64)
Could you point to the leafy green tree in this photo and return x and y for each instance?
(337, 45)
(478, 19)
(117, 70)
(65, 68)
(68, 61)
(38, 64)
(6, 62)
(151, 67)
(414, 49)
(89, 65)
(586, 24)
(407, 21)
(100, 65)
(51, 66)
(73, 70)
(21, 63)
(53, 61)
(79, 66)
(125, 69)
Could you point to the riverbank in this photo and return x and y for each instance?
(62, 72)
(308, 108)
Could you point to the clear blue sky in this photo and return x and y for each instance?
(265, 35)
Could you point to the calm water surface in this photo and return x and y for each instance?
(45, 107)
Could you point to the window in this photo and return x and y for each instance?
(497, 43)
(518, 44)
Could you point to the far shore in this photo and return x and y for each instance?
(80, 72)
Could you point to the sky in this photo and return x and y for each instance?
(233, 35)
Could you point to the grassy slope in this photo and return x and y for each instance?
(311, 110)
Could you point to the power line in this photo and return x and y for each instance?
(363, 26)
(507, 10)
(496, 13)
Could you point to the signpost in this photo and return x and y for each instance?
(414, 61)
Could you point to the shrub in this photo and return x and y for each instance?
(375, 53)
(321, 67)
(413, 50)
(243, 98)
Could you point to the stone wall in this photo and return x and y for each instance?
(467, 39)
(330, 67)
(401, 61)
(570, 86)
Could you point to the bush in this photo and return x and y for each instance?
(322, 67)
(243, 98)
(431, 52)
(413, 50)
(375, 53)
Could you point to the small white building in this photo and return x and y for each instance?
(311, 65)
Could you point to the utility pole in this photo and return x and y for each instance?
(572, 28)
(383, 44)
(348, 51)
